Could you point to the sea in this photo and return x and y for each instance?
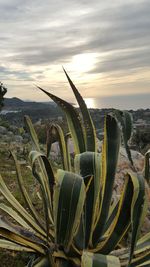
(124, 102)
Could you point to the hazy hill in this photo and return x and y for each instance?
(17, 104)
(36, 110)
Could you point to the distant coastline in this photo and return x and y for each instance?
(5, 111)
(123, 102)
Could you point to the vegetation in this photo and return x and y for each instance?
(8, 257)
(80, 224)
(3, 91)
(141, 138)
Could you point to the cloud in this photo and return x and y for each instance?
(38, 37)
(20, 75)
(128, 59)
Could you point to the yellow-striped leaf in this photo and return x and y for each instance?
(88, 165)
(87, 121)
(74, 122)
(69, 197)
(56, 131)
(99, 260)
(110, 154)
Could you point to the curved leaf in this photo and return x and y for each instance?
(45, 177)
(141, 253)
(110, 154)
(136, 210)
(147, 167)
(20, 210)
(11, 212)
(74, 122)
(88, 164)
(88, 123)
(56, 131)
(26, 195)
(6, 244)
(125, 120)
(69, 196)
(41, 262)
(22, 240)
(94, 260)
(33, 135)
(48, 178)
(129, 213)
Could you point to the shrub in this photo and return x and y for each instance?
(3, 91)
(81, 226)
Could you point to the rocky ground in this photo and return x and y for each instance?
(13, 134)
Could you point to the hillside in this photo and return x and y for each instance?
(15, 109)
(17, 104)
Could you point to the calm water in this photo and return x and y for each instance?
(121, 102)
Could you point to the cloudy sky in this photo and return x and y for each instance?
(104, 46)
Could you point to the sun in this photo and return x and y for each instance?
(83, 62)
(90, 102)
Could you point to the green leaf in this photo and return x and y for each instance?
(136, 210)
(111, 217)
(99, 260)
(67, 141)
(6, 244)
(110, 154)
(23, 240)
(143, 259)
(145, 264)
(25, 194)
(18, 238)
(147, 167)
(48, 178)
(69, 197)
(141, 253)
(41, 262)
(20, 210)
(56, 131)
(129, 213)
(88, 123)
(11, 212)
(121, 222)
(125, 120)
(143, 241)
(74, 122)
(44, 175)
(88, 164)
(33, 135)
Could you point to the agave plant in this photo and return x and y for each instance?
(80, 225)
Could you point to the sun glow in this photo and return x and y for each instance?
(83, 62)
(90, 102)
